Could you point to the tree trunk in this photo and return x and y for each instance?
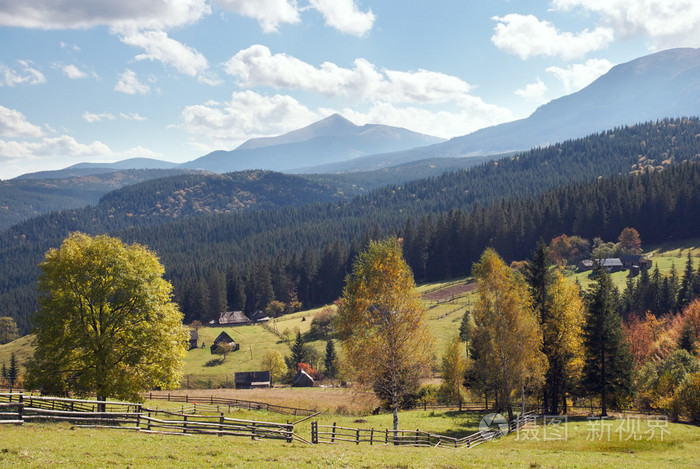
(395, 410)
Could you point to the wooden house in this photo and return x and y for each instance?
(252, 379)
(194, 338)
(225, 339)
(302, 380)
(234, 318)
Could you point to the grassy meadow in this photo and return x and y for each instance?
(578, 443)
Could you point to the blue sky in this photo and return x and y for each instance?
(96, 80)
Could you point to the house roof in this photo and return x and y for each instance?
(224, 338)
(611, 262)
(233, 317)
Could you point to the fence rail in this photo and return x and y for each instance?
(213, 401)
(333, 434)
(16, 408)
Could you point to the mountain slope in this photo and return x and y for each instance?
(658, 86)
(331, 140)
(23, 198)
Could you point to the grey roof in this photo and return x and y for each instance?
(611, 262)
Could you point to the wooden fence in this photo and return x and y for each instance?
(219, 403)
(335, 434)
(16, 408)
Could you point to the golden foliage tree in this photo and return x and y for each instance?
(507, 339)
(562, 334)
(106, 323)
(381, 322)
(453, 367)
(273, 361)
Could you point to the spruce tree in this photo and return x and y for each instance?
(607, 369)
(686, 294)
(331, 360)
(13, 370)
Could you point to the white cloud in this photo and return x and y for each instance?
(257, 66)
(73, 72)
(669, 23)
(92, 118)
(55, 153)
(249, 115)
(55, 146)
(26, 76)
(83, 14)
(132, 116)
(246, 115)
(129, 83)
(344, 16)
(269, 13)
(13, 124)
(159, 46)
(577, 76)
(533, 91)
(526, 36)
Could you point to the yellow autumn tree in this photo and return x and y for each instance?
(507, 339)
(381, 322)
(562, 332)
(453, 367)
(107, 324)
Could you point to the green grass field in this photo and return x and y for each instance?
(577, 443)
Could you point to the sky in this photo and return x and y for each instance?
(105, 80)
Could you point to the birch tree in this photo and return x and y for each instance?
(381, 322)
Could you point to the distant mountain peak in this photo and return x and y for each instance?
(332, 126)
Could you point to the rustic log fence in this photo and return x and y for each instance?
(334, 434)
(213, 403)
(16, 408)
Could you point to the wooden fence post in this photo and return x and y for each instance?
(149, 421)
(290, 432)
(333, 434)
(314, 432)
(138, 416)
(21, 407)
(371, 436)
(357, 440)
(184, 423)
(252, 437)
(386, 436)
(221, 423)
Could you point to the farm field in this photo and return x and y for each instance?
(586, 446)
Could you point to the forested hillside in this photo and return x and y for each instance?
(244, 260)
(24, 198)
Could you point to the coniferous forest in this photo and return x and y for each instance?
(646, 176)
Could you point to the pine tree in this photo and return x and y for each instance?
(330, 361)
(686, 294)
(298, 352)
(13, 370)
(539, 278)
(607, 369)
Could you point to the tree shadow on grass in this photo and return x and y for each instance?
(215, 362)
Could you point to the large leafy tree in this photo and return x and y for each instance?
(607, 370)
(106, 323)
(507, 339)
(381, 322)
